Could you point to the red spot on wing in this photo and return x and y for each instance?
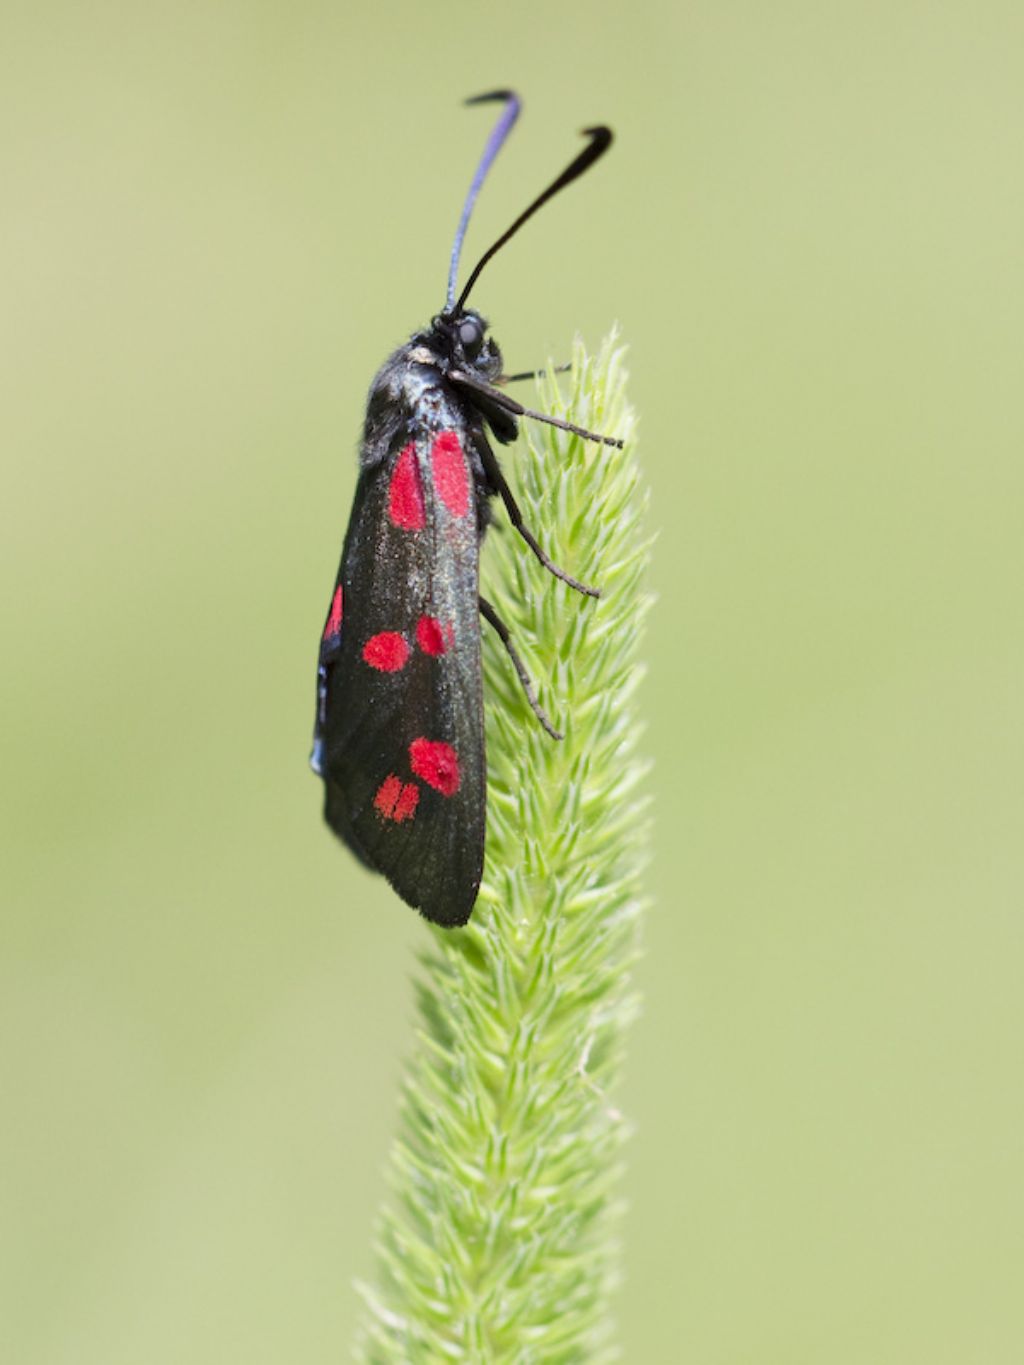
(387, 795)
(405, 492)
(333, 626)
(387, 652)
(451, 477)
(396, 800)
(430, 635)
(437, 763)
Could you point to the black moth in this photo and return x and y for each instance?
(399, 737)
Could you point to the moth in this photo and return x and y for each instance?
(399, 732)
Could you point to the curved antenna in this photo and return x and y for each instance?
(498, 135)
(600, 141)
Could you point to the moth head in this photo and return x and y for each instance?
(469, 345)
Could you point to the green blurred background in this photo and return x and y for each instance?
(216, 221)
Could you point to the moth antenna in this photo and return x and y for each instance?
(499, 133)
(600, 141)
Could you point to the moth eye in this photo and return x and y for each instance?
(471, 337)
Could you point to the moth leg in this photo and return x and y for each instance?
(533, 374)
(502, 400)
(489, 614)
(493, 471)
